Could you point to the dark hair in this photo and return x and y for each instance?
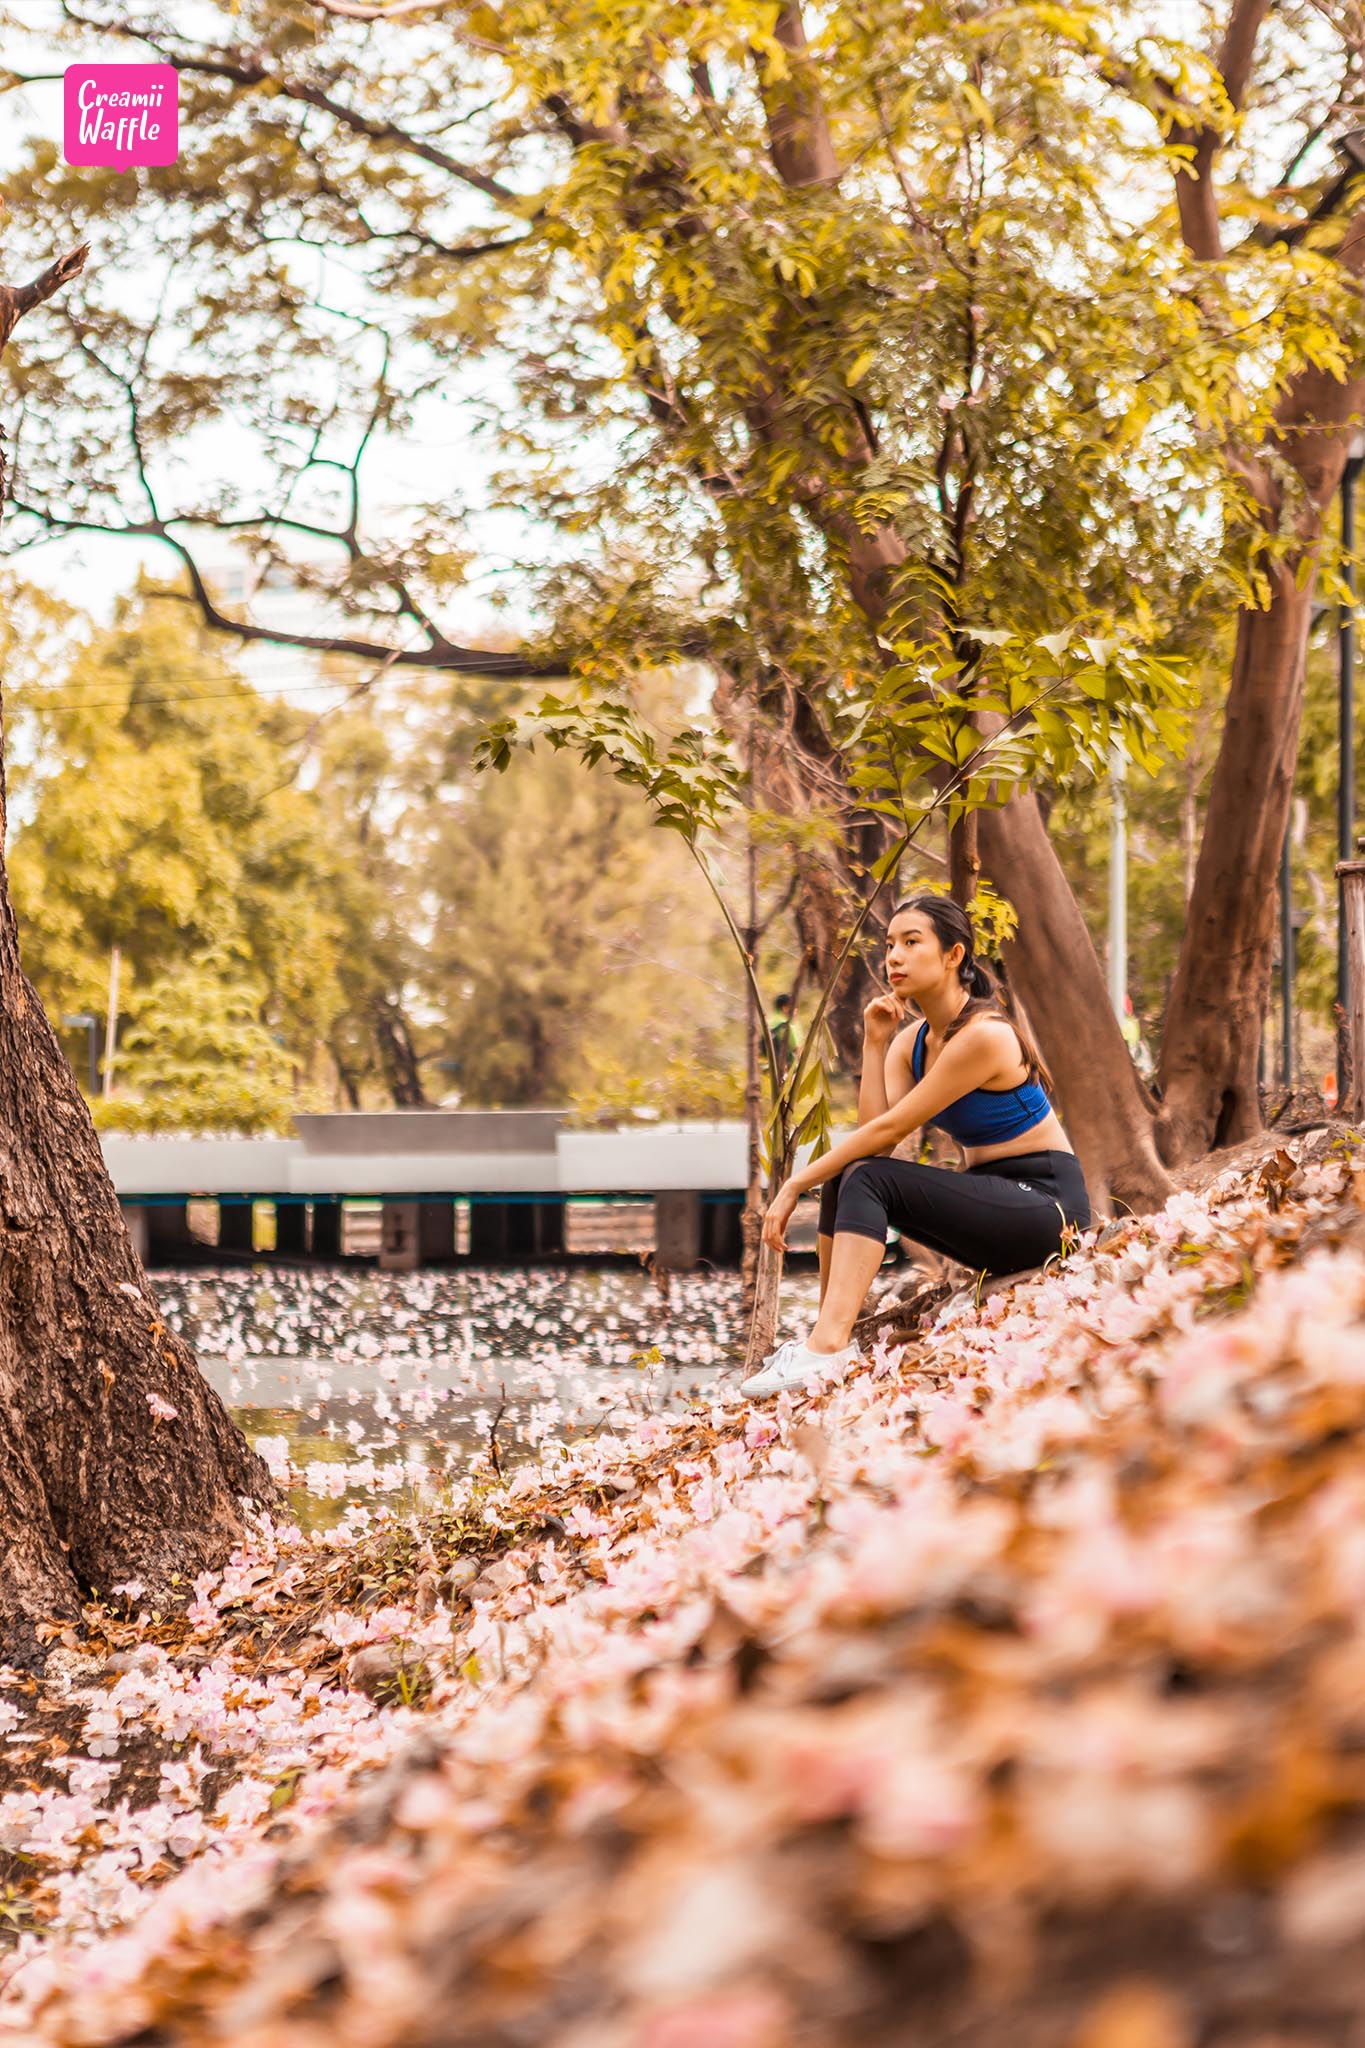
(986, 996)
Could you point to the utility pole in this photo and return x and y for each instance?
(1288, 962)
(1118, 882)
(1346, 780)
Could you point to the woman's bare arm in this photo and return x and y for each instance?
(886, 1077)
(899, 1075)
(872, 1095)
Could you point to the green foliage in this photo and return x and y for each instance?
(691, 783)
(975, 372)
(159, 809)
(575, 957)
(200, 1057)
(1019, 709)
(994, 918)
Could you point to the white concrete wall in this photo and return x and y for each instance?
(649, 1157)
(199, 1166)
(429, 1173)
(644, 1158)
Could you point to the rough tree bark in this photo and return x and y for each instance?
(1211, 1043)
(96, 1489)
(1107, 1112)
(1216, 1012)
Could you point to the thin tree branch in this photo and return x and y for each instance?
(16, 300)
(1238, 50)
(249, 68)
(361, 10)
(439, 654)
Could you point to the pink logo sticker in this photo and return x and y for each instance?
(121, 116)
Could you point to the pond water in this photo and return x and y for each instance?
(358, 1386)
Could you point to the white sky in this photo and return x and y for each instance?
(397, 471)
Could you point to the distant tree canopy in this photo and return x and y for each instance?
(720, 319)
(200, 1056)
(319, 909)
(160, 811)
(575, 957)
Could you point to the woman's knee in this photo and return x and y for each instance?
(863, 1199)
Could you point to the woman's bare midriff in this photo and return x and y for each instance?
(1047, 1136)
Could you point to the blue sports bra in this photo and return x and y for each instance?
(985, 1116)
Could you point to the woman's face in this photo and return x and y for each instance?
(916, 964)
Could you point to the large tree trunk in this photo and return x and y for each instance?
(1061, 985)
(1214, 1020)
(96, 1488)
(1212, 1038)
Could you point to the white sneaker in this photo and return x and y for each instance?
(793, 1367)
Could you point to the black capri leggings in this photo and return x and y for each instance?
(1000, 1217)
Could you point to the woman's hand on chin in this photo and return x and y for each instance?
(882, 1019)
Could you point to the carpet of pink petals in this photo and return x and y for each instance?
(1012, 1691)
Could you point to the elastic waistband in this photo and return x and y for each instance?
(1034, 1165)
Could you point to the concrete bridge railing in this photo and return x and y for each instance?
(517, 1169)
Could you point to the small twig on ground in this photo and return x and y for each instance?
(494, 1454)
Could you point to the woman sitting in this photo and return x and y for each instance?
(971, 1068)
